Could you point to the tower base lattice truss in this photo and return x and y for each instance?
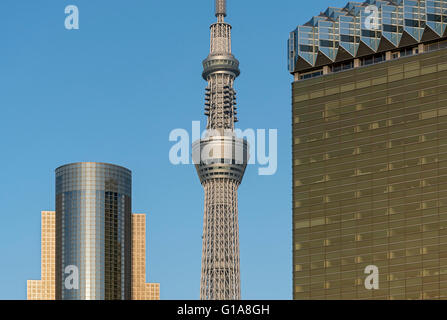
(220, 256)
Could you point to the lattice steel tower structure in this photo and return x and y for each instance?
(220, 159)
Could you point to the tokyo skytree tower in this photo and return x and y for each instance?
(220, 159)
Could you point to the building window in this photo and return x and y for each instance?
(406, 52)
(311, 75)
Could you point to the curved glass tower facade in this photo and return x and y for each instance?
(93, 232)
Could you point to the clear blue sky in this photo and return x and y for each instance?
(112, 92)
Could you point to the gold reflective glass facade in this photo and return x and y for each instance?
(370, 181)
(140, 289)
(44, 289)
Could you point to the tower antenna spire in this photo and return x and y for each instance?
(221, 8)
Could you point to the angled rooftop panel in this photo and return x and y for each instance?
(373, 26)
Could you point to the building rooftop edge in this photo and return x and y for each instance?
(358, 63)
(364, 28)
(92, 162)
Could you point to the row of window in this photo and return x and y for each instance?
(374, 59)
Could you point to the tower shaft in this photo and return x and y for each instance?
(220, 160)
(220, 278)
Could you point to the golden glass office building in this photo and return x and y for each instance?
(45, 288)
(370, 155)
(140, 289)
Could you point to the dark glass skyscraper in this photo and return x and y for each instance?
(93, 231)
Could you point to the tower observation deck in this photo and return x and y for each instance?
(220, 159)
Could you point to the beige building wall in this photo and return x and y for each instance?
(44, 289)
(140, 289)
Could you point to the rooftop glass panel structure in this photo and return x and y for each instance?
(364, 28)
